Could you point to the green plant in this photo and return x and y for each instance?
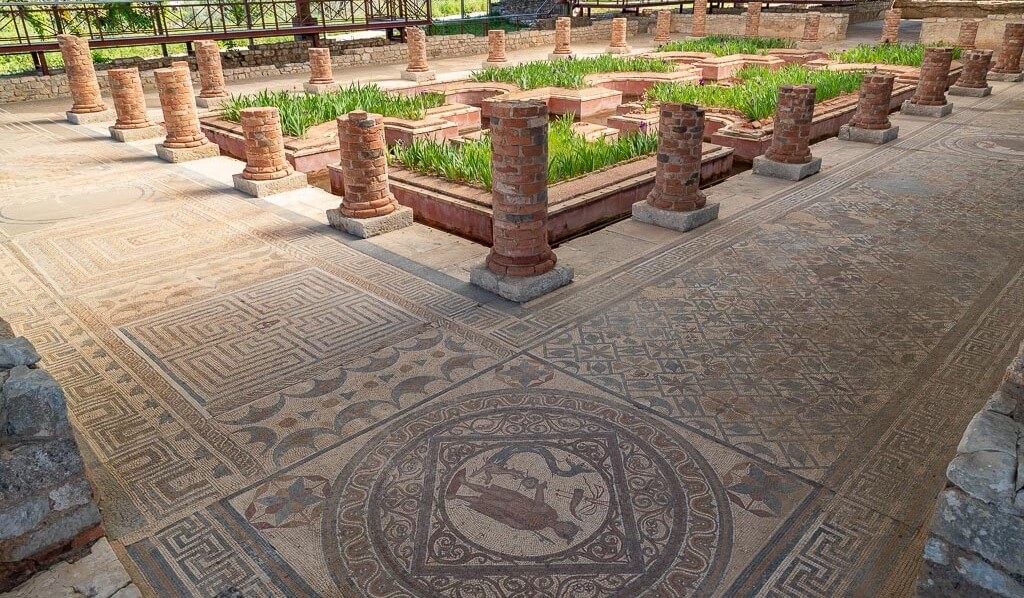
(299, 112)
(898, 53)
(724, 45)
(569, 73)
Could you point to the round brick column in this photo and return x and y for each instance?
(264, 145)
(618, 34)
(891, 25)
(416, 41)
(698, 26)
(812, 25)
(873, 103)
(1009, 55)
(677, 178)
(364, 166)
(934, 79)
(753, 24)
(496, 46)
(519, 198)
(320, 71)
(968, 34)
(211, 75)
(563, 35)
(976, 64)
(792, 130)
(85, 89)
(178, 103)
(663, 28)
(129, 99)
(182, 64)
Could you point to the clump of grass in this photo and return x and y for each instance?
(300, 112)
(898, 53)
(756, 94)
(724, 45)
(569, 154)
(569, 73)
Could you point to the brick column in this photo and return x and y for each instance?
(563, 39)
(368, 207)
(663, 30)
(321, 75)
(789, 156)
(87, 105)
(184, 141)
(1007, 66)
(416, 42)
(870, 123)
(968, 34)
(130, 105)
(891, 25)
(753, 19)
(812, 26)
(973, 79)
(182, 64)
(267, 170)
(495, 48)
(211, 75)
(519, 200)
(698, 25)
(930, 97)
(618, 43)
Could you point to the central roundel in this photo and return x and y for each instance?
(526, 493)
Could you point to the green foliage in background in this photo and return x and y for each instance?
(899, 53)
(569, 73)
(724, 45)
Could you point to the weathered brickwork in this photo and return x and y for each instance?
(947, 31)
(320, 70)
(1008, 61)
(211, 75)
(563, 36)
(975, 70)
(680, 141)
(264, 145)
(128, 98)
(698, 27)
(85, 89)
(832, 26)
(364, 166)
(934, 79)
(812, 25)
(891, 25)
(663, 28)
(618, 42)
(519, 146)
(496, 46)
(873, 102)
(417, 45)
(177, 101)
(968, 35)
(753, 25)
(791, 136)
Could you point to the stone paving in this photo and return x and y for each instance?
(761, 406)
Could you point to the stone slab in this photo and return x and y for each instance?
(125, 135)
(365, 228)
(971, 92)
(1006, 77)
(876, 136)
(781, 170)
(210, 103)
(296, 180)
(319, 88)
(90, 118)
(98, 574)
(562, 56)
(520, 288)
(17, 351)
(623, 50)
(419, 76)
(175, 155)
(910, 109)
(680, 221)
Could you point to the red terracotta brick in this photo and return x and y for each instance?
(975, 71)
(792, 128)
(873, 103)
(1013, 45)
(364, 166)
(177, 101)
(129, 99)
(85, 88)
(677, 177)
(934, 79)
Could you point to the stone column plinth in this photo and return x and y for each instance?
(811, 37)
(211, 75)
(676, 201)
(870, 123)
(789, 156)
(1007, 66)
(495, 49)
(891, 26)
(368, 208)
(663, 28)
(416, 42)
(132, 122)
(930, 97)
(753, 24)
(968, 36)
(521, 265)
(184, 141)
(321, 75)
(267, 170)
(973, 81)
(698, 25)
(87, 105)
(563, 39)
(618, 44)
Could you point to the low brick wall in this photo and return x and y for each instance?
(47, 512)
(975, 545)
(861, 12)
(965, 9)
(990, 30)
(785, 25)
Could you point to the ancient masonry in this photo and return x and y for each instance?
(891, 25)
(417, 70)
(495, 49)
(870, 123)
(676, 200)
(1007, 66)
(521, 265)
(929, 98)
(47, 511)
(663, 28)
(789, 156)
(87, 105)
(968, 34)
(267, 170)
(700, 17)
(211, 75)
(618, 44)
(753, 24)
(812, 25)
(132, 122)
(973, 80)
(321, 75)
(184, 141)
(563, 39)
(367, 208)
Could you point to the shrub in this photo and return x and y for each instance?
(569, 73)
(724, 45)
(899, 53)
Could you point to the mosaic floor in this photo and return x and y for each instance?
(760, 407)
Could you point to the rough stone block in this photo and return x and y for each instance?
(909, 109)
(34, 405)
(876, 136)
(23, 517)
(1000, 402)
(419, 76)
(781, 170)
(365, 228)
(17, 351)
(520, 288)
(980, 528)
(973, 92)
(210, 103)
(319, 88)
(175, 155)
(296, 180)
(58, 531)
(34, 468)
(987, 476)
(680, 221)
(74, 493)
(1006, 77)
(90, 118)
(990, 431)
(125, 135)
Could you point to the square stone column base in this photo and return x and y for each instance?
(680, 221)
(124, 135)
(520, 288)
(971, 92)
(569, 56)
(876, 136)
(296, 180)
(319, 88)
(781, 170)
(365, 228)
(930, 111)
(187, 154)
(210, 103)
(1006, 77)
(494, 65)
(90, 118)
(624, 50)
(419, 76)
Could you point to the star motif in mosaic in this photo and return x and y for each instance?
(288, 502)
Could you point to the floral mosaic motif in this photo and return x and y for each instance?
(290, 501)
(525, 373)
(752, 488)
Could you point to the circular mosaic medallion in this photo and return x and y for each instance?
(526, 493)
(1006, 146)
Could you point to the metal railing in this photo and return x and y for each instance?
(479, 26)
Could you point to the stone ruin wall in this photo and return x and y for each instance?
(964, 9)
(785, 25)
(990, 30)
